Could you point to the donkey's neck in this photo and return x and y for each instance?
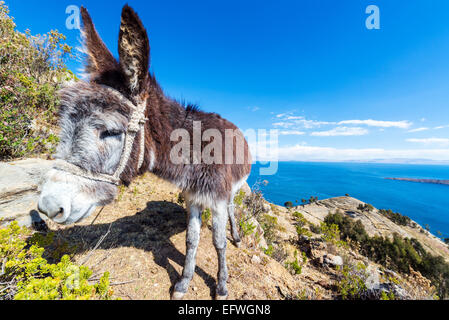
(164, 116)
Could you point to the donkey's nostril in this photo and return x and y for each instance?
(60, 213)
(48, 205)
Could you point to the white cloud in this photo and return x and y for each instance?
(291, 133)
(254, 109)
(439, 141)
(404, 124)
(300, 122)
(307, 153)
(419, 129)
(288, 120)
(441, 127)
(341, 131)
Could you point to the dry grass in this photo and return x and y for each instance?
(145, 249)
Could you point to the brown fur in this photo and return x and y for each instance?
(164, 114)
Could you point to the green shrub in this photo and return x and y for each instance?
(269, 225)
(347, 227)
(352, 283)
(238, 199)
(269, 251)
(206, 216)
(300, 225)
(26, 275)
(315, 228)
(398, 253)
(365, 207)
(296, 266)
(246, 227)
(396, 217)
(31, 70)
(331, 233)
(288, 204)
(313, 199)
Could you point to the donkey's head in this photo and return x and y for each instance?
(95, 121)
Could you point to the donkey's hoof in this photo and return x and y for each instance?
(238, 244)
(177, 295)
(218, 297)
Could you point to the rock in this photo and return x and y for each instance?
(256, 260)
(259, 239)
(375, 293)
(373, 280)
(391, 273)
(312, 246)
(263, 243)
(246, 189)
(266, 207)
(334, 261)
(19, 191)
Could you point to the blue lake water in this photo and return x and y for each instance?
(422, 202)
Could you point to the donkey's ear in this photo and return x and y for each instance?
(134, 50)
(99, 58)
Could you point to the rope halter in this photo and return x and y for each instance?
(135, 125)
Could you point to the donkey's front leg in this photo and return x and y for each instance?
(219, 221)
(192, 240)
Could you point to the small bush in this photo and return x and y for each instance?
(206, 216)
(26, 275)
(398, 253)
(365, 207)
(296, 266)
(288, 204)
(238, 199)
(31, 70)
(315, 228)
(396, 217)
(352, 284)
(269, 225)
(348, 228)
(247, 228)
(331, 233)
(300, 225)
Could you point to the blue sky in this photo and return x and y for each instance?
(311, 69)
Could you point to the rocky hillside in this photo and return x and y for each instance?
(140, 240)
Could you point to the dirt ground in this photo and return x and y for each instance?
(144, 250)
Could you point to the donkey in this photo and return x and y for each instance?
(119, 124)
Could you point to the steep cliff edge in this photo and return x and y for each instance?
(140, 240)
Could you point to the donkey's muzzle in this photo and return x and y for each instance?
(51, 207)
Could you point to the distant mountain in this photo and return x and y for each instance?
(404, 161)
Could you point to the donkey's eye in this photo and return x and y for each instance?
(110, 133)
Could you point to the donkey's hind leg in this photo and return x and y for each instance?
(234, 229)
(192, 241)
(219, 222)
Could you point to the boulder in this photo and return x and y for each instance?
(246, 189)
(266, 207)
(312, 246)
(19, 190)
(331, 260)
(256, 260)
